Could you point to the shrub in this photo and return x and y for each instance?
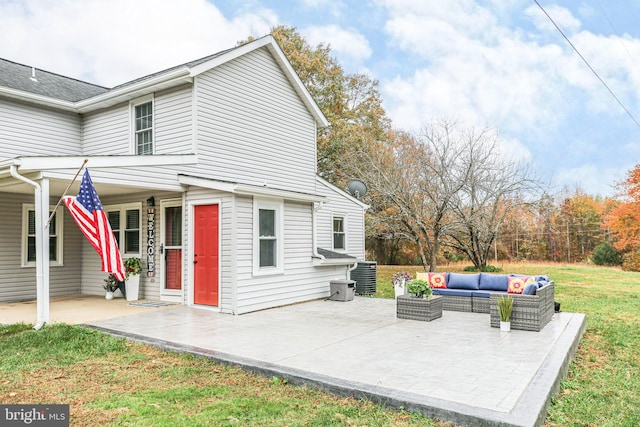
(470, 268)
(491, 269)
(605, 254)
(631, 261)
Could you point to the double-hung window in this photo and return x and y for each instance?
(268, 237)
(126, 225)
(339, 241)
(29, 236)
(142, 112)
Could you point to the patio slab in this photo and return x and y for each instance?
(456, 368)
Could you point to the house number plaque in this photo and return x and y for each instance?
(151, 239)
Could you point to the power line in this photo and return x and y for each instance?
(588, 65)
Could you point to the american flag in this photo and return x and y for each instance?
(87, 210)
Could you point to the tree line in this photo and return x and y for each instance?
(447, 193)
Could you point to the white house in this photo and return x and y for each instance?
(207, 171)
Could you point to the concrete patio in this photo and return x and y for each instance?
(456, 368)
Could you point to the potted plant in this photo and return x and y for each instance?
(110, 285)
(420, 304)
(133, 268)
(399, 281)
(505, 306)
(419, 288)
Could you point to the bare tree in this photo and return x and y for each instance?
(494, 186)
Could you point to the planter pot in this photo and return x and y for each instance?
(132, 286)
(424, 309)
(400, 290)
(505, 326)
(109, 295)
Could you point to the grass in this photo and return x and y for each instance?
(109, 381)
(602, 387)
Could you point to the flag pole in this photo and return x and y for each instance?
(65, 192)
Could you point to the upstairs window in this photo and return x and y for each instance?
(338, 233)
(143, 127)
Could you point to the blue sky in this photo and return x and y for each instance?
(497, 63)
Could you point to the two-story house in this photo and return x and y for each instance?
(207, 171)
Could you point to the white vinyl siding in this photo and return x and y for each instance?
(340, 205)
(34, 131)
(249, 116)
(19, 284)
(106, 132)
(173, 121)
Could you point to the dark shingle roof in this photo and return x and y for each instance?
(333, 255)
(18, 76)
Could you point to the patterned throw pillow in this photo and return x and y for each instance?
(438, 280)
(517, 284)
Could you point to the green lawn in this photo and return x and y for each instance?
(109, 381)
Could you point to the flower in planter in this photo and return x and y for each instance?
(110, 283)
(400, 279)
(419, 288)
(132, 266)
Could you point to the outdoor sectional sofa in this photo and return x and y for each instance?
(479, 293)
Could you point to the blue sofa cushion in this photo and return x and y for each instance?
(481, 294)
(530, 289)
(463, 281)
(494, 282)
(453, 292)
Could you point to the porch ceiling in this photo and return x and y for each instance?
(57, 186)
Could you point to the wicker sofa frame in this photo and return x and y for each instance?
(530, 312)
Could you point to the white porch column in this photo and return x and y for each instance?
(42, 262)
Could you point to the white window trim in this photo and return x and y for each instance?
(345, 221)
(132, 122)
(59, 262)
(123, 217)
(278, 206)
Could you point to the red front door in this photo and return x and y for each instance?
(205, 254)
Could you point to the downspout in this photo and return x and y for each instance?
(314, 238)
(42, 285)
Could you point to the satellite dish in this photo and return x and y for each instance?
(357, 188)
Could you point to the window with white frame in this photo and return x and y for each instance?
(268, 237)
(142, 112)
(339, 240)
(29, 237)
(126, 225)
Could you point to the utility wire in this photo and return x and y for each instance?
(588, 65)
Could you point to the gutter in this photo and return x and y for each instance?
(314, 238)
(42, 282)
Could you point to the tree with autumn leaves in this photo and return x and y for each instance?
(623, 220)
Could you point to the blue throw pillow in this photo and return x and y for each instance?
(494, 282)
(530, 289)
(463, 281)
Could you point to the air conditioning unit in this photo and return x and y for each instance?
(366, 275)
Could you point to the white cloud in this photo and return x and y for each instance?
(111, 42)
(591, 177)
(349, 46)
(560, 15)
